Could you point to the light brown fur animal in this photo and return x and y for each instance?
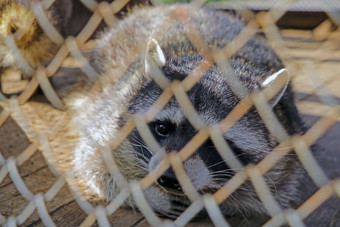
(32, 42)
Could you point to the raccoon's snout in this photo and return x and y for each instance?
(169, 181)
(195, 169)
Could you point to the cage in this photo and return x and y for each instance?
(37, 181)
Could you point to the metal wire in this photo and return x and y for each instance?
(42, 137)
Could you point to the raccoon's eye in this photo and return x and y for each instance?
(163, 129)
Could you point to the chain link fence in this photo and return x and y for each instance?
(48, 133)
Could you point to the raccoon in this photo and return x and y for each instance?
(161, 41)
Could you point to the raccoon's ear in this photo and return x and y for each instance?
(154, 56)
(154, 61)
(273, 80)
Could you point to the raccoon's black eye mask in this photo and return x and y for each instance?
(165, 129)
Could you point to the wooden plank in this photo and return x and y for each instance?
(327, 71)
(69, 214)
(297, 44)
(297, 34)
(35, 163)
(12, 139)
(65, 214)
(13, 142)
(313, 108)
(310, 54)
(11, 201)
(62, 201)
(125, 217)
(62, 209)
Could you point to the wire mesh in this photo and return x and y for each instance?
(50, 128)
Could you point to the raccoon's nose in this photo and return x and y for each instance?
(169, 180)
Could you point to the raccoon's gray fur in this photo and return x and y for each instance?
(100, 116)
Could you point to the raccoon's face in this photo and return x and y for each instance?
(172, 130)
(212, 99)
